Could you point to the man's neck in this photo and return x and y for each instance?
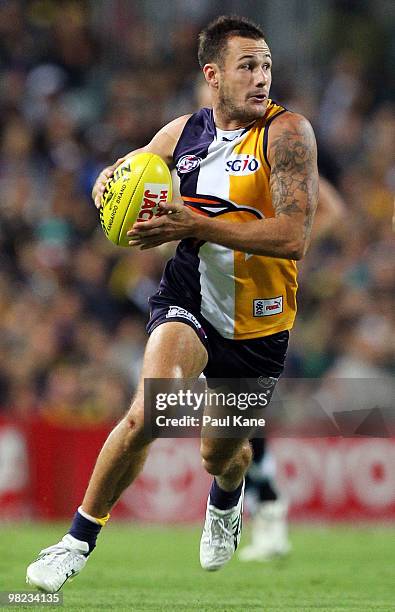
(228, 124)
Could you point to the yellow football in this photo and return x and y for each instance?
(133, 194)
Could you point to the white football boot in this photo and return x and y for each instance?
(56, 564)
(269, 535)
(221, 534)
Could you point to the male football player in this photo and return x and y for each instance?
(227, 299)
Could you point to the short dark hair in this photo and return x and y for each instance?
(214, 37)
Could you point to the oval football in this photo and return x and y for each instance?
(133, 194)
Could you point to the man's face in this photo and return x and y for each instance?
(244, 78)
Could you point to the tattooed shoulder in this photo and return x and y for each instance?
(292, 154)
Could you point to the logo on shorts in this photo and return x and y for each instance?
(242, 165)
(272, 306)
(188, 163)
(177, 311)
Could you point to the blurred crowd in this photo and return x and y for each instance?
(80, 87)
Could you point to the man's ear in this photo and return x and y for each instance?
(211, 73)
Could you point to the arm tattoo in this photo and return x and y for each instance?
(294, 178)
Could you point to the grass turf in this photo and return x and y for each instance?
(155, 568)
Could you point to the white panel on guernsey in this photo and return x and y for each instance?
(213, 179)
(216, 269)
(216, 265)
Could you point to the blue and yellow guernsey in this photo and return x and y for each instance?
(225, 174)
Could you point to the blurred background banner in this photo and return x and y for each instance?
(43, 477)
(83, 83)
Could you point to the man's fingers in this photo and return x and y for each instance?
(142, 231)
(154, 225)
(109, 171)
(100, 184)
(98, 191)
(146, 244)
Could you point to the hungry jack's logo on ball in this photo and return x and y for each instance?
(154, 194)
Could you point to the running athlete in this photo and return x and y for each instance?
(227, 299)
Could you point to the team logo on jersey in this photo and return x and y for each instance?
(213, 207)
(188, 163)
(241, 165)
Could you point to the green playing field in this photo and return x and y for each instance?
(155, 568)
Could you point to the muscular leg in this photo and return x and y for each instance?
(173, 351)
(226, 459)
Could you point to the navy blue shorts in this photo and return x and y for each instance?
(226, 358)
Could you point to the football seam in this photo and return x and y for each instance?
(134, 191)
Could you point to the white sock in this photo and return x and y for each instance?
(88, 516)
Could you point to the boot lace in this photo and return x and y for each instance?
(59, 557)
(219, 531)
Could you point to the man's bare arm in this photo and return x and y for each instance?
(163, 144)
(292, 154)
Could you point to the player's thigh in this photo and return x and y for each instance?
(173, 351)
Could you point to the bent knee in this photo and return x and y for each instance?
(216, 462)
(213, 462)
(215, 468)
